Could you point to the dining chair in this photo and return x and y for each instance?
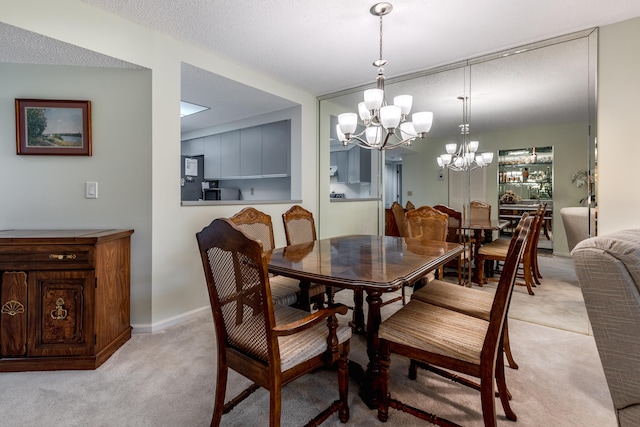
(455, 234)
(498, 250)
(398, 215)
(472, 302)
(409, 205)
(284, 290)
(479, 213)
(425, 223)
(269, 344)
(450, 341)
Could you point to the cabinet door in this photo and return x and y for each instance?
(192, 147)
(60, 313)
(212, 159)
(276, 148)
(251, 152)
(13, 317)
(342, 161)
(230, 154)
(354, 165)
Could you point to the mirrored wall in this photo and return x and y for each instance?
(538, 95)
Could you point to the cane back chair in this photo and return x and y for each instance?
(270, 344)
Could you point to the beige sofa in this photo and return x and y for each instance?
(608, 269)
(576, 223)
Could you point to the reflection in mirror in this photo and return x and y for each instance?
(241, 146)
(536, 96)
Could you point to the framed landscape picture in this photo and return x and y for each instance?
(53, 127)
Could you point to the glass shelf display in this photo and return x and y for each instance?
(527, 173)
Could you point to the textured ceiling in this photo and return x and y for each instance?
(324, 47)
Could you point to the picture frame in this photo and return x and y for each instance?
(53, 127)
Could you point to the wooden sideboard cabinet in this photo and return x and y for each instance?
(64, 298)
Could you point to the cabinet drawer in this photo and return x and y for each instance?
(46, 257)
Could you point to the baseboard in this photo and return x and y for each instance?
(172, 321)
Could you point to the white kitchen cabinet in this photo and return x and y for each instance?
(192, 147)
(212, 157)
(359, 169)
(230, 154)
(276, 148)
(251, 152)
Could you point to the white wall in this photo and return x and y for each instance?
(48, 191)
(618, 113)
(177, 285)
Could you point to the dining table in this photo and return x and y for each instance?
(370, 264)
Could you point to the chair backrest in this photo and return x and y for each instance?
(479, 212)
(236, 274)
(426, 223)
(256, 225)
(410, 205)
(398, 214)
(455, 223)
(576, 221)
(608, 270)
(299, 226)
(505, 285)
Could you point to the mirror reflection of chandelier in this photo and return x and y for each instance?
(464, 157)
(382, 121)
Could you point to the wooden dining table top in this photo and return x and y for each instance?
(382, 263)
(494, 224)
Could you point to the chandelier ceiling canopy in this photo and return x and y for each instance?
(385, 125)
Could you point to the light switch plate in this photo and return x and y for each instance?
(91, 190)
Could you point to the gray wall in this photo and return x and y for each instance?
(48, 191)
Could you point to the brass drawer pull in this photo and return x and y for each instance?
(59, 313)
(58, 256)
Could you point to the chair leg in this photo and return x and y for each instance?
(502, 390)
(487, 393)
(343, 383)
(480, 268)
(221, 389)
(275, 405)
(403, 295)
(507, 347)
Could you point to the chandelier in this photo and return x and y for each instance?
(385, 126)
(464, 157)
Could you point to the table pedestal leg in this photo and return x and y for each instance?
(370, 387)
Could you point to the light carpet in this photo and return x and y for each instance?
(167, 379)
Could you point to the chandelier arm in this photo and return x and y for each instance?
(362, 143)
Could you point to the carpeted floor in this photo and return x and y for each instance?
(167, 378)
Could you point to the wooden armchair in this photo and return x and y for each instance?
(453, 342)
(498, 251)
(455, 234)
(284, 290)
(472, 302)
(410, 205)
(300, 227)
(398, 215)
(270, 344)
(426, 223)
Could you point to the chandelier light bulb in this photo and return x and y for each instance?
(446, 159)
(440, 162)
(390, 116)
(487, 158)
(341, 136)
(408, 131)
(374, 136)
(451, 148)
(422, 121)
(404, 102)
(373, 99)
(473, 146)
(365, 115)
(348, 123)
(479, 160)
